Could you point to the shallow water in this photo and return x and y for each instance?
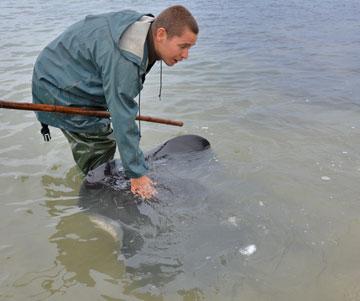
(274, 86)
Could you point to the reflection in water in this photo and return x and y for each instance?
(83, 248)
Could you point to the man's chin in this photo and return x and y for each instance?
(170, 63)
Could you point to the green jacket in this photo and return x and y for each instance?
(98, 62)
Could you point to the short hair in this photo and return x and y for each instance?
(175, 19)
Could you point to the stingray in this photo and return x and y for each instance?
(187, 235)
(176, 166)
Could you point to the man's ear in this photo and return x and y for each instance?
(160, 34)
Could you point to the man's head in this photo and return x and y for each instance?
(174, 32)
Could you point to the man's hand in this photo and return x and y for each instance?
(143, 187)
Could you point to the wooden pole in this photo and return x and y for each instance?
(78, 111)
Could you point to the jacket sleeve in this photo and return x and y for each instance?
(121, 83)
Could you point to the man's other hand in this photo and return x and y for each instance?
(143, 187)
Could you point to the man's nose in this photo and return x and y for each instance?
(185, 54)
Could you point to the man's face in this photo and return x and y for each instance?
(174, 49)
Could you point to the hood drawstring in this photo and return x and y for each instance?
(139, 115)
(160, 80)
(139, 103)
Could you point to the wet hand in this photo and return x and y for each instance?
(143, 187)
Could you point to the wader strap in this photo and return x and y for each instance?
(45, 132)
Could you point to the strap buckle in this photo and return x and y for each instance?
(45, 132)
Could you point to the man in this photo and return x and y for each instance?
(101, 62)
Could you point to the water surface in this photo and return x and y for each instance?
(274, 86)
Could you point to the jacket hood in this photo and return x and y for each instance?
(132, 42)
